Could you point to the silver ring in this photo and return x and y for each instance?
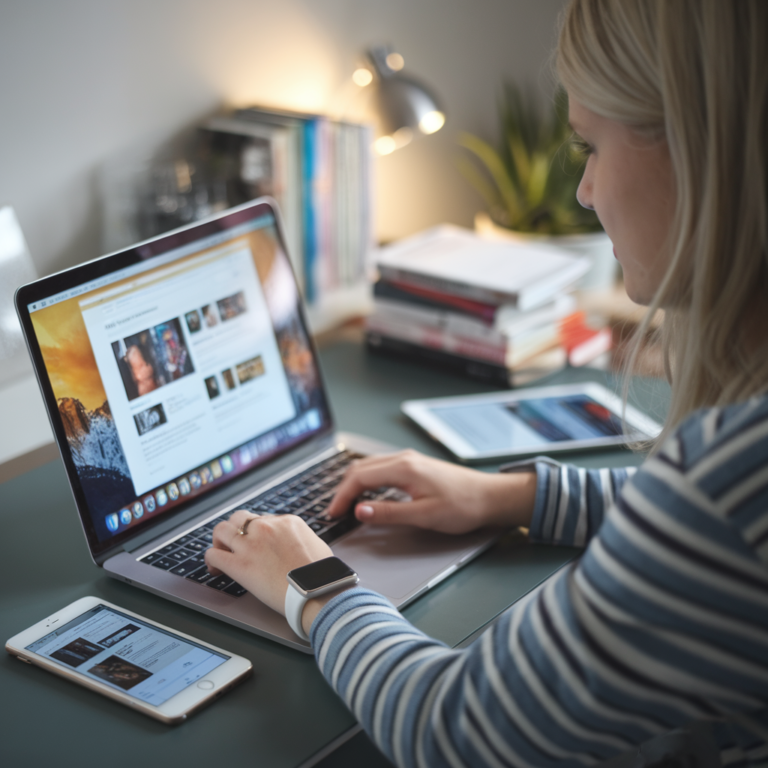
(244, 527)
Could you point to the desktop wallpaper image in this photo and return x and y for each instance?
(66, 349)
(83, 406)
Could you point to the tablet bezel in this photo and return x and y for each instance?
(421, 413)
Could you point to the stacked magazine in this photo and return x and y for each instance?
(501, 312)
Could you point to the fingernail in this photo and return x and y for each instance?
(364, 512)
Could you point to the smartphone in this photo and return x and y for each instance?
(508, 425)
(149, 667)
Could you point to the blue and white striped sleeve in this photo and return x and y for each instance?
(663, 621)
(571, 502)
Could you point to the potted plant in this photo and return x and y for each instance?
(529, 182)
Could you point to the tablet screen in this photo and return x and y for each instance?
(525, 424)
(143, 660)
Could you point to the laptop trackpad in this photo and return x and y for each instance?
(400, 561)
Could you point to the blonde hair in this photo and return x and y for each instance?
(694, 72)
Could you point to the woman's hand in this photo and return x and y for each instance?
(445, 497)
(261, 559)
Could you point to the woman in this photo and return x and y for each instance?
(142, 372)
(664, 619)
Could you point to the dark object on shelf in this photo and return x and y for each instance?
(178, 192)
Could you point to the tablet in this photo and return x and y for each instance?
(507, 425)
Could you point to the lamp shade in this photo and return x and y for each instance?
(401, 104)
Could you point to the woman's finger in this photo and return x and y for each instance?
(419, 513)
(224, 535)
(239, 517)
(218, 561)
(367, 474)
(226, 532)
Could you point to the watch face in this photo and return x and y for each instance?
(323, 572)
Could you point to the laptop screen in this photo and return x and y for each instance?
(175, 367)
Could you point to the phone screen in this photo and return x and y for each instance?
(142, 660)
(525, 424)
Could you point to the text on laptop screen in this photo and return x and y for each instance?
(177, 374)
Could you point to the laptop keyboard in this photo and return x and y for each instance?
(306, 495)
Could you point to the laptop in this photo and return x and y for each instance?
(182, 384)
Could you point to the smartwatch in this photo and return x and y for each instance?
(313, 580)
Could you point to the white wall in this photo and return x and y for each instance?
(82, 80)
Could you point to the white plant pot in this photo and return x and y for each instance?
(596, 246)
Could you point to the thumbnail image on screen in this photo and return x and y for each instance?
(152, 358)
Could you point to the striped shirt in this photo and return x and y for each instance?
(662, 621)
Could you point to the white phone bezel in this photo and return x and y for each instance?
(175, 709)
(420, 412)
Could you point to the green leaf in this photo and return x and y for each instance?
(537, 184)
(520, 159)
(495, 165)
(479, 181)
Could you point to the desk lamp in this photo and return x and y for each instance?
(400, 104)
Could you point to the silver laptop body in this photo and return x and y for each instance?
(181, 381)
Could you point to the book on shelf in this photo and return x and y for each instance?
(456, 261)
(496, 311)
(503, 321)
(319, 171)
(431, 297)
(535, 367)
(463, 336)
(535, 353)
(582, 343)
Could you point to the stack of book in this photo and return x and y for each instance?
(319, 171)
(504, 313)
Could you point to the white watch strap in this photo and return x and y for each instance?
(294, 608)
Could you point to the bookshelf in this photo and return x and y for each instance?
(318, 169)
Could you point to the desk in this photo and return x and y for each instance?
(44, 564)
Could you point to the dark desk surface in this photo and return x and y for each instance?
(285, 715)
